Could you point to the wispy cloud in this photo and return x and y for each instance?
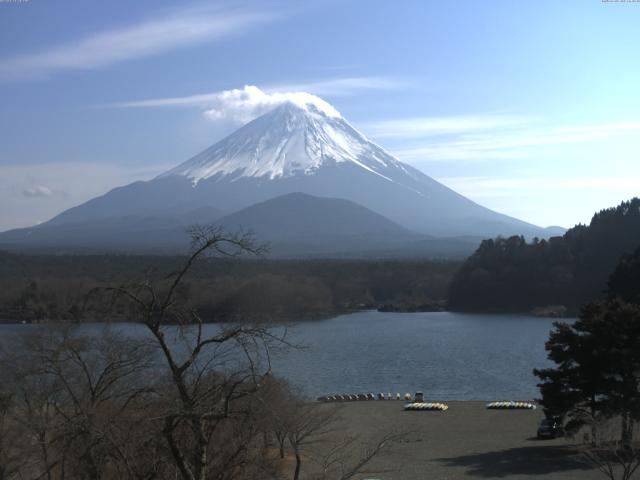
(484, 137)
(416, 127)
(239, 105)
(177, 29)
(486, 187)
(37, 191)
(332, 87)
(338, 87)
(33, 193)
(546, 199)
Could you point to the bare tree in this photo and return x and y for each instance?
(278, 403)
(9, 450)
(614, 457)
(350, 456)
(308, 423)
(186, 400)
(211, 369)
(79, 399)
(312, 433)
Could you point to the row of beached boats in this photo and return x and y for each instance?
(347, 397)
(511, 405)
(426, 406)
(417, 402)
(367, 396)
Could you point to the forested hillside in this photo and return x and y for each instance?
(54, 287)
(512, 274)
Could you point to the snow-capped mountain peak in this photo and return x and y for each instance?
(298, 137)
(310, 103)
(301, 145)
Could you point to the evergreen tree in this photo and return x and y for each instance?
(597, 371)
(513, 274)
(625, 279)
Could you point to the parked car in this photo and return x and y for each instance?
(550, 427)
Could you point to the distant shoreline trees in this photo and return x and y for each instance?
(52, 288)
(511, 274)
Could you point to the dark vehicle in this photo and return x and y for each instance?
(550, 427)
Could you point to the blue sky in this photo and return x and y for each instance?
(529, 108)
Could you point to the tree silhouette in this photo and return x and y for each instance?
(598, 367)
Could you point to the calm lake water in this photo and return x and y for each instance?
(448, 356)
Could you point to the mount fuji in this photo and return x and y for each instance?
(303, 145)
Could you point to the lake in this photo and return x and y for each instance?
(448, 356)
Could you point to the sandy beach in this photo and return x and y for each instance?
(466, 441)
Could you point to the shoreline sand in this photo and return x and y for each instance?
(466, 441)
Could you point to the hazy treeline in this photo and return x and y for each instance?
(513, 274)
(54, 287)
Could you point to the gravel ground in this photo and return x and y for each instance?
(466, 441)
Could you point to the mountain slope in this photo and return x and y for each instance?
(293, 225)
(290, 140)
(298, 224)
(297, 215)
(307, 147)
(133, 233)
(301, 225)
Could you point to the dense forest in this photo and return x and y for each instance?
(511, 274)
(37, 288)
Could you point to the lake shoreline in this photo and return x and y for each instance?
(291, 319)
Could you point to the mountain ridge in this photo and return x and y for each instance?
(298, 147)
(295, 225)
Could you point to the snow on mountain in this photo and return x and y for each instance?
(296, 138)
(304, 145)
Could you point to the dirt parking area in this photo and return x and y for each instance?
(466, 441)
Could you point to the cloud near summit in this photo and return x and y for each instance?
(241, 105)
(245, 104)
